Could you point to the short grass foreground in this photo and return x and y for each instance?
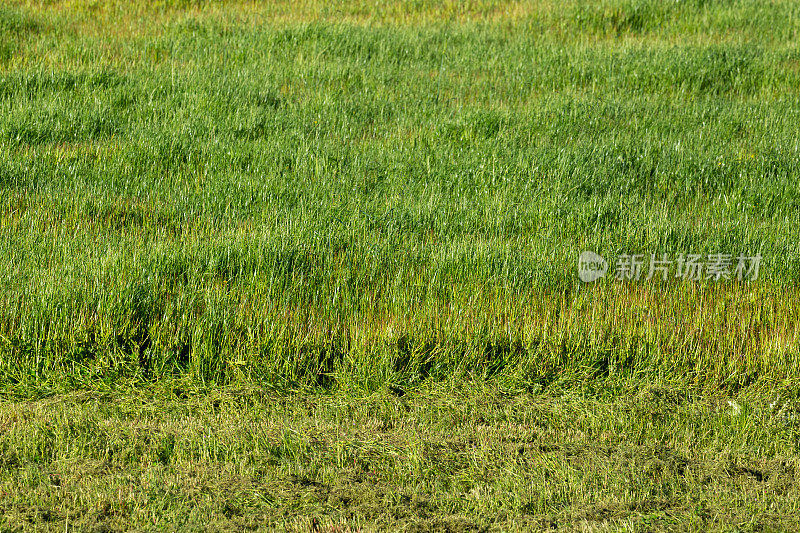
(326, 201)
(440, 458)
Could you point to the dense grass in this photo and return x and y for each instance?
(357, 197)
(231, 193)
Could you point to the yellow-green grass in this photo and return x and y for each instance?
(655, 457)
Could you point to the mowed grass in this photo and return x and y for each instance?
(440, 458)
(328, 201)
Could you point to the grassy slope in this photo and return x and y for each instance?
(367, 194)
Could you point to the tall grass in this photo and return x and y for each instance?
(305, 195)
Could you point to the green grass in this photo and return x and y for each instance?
(330, 198)
(441, 458)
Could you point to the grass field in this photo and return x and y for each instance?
(313, 265)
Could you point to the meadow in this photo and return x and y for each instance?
(313, 265)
